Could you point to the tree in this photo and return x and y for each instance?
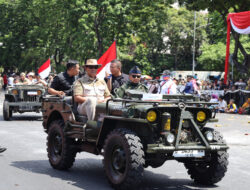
(224, 8)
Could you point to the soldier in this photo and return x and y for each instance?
(23, 79)
(132, 84)
(89, 90)
(117, 78)
(2, 149)
(61, 84)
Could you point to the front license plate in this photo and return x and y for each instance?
(32, 93)
(189, 153)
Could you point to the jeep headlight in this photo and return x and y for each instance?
(151, 116)
(209, 135)
(15, 92)
(170, 138)
(201, 116)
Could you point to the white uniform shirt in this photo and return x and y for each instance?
(169, 87)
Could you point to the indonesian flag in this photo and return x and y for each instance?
(241, 24)
(105, 60)
(45, 69)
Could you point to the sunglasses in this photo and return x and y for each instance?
(136, 76)
(92, 67)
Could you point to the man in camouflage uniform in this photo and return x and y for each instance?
(133, 84)
(89, 90)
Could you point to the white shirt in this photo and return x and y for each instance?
(169, 87)
(222, 104)
(11, 81)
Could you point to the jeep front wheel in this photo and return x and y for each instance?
(60, 152)
(123, 159)
(7, 112)
(212, 171)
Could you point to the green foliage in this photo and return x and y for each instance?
(150, 34)
(213, 55)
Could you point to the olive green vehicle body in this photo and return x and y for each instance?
(23, 98)
(132, 114)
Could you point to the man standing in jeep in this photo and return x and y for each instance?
(89, 90)
(63, 82)
(117, 78)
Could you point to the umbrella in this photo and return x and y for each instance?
(147, 77)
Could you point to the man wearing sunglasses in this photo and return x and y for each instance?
(89, 90)
(62, 83)
(133, 84)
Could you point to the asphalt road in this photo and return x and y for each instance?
(24, 166)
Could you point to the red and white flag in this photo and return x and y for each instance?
(45, 69)
(105, 60)
(240, 22)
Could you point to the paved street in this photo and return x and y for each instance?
(24, 166)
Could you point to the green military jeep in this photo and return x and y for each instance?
(131, 134)
(22, 98)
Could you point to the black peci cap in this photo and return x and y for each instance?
(135, 70)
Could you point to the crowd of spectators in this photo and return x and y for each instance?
(227, 105)
(190, 85)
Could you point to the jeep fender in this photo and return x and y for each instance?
(55, 115)
(140, 126)
(9, 98)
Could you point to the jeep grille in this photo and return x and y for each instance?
(24, 97)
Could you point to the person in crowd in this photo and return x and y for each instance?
(233, 88)
(167, 86)
(5, 81)
(62, 83)
(16, 81)
(214, 99)
(153, 86)
(220, 85)
(132, 84)
(40, 81)
(1, 81)
(189, 88)
(181, 86)
(117, 78)
(23, 79)
(248, 85)
(2, 149)
(50, 79)
(245, 108)
(231, 108)
(240, 84)
(89, 90)
(222, 105)
(11, 80)
(31, 79)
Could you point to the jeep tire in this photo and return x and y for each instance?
(60, 151)
(212, 171)
(7, 112)
(123, 159)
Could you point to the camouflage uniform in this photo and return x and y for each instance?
(94, 89)
(122, 91)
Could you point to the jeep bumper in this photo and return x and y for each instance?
(160, 148)
(25, 106)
